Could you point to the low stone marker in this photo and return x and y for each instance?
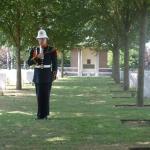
(139, 148)
(132, 106)
(136, 122)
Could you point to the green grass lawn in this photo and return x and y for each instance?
(83, 117)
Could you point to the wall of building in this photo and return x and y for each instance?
(103, 59)
(74, 58)
(89, 53)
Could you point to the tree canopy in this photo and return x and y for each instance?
(111, 25)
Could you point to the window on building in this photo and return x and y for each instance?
(88, 61)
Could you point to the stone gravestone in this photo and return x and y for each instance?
(133, 76)
(2, 83)
(27, 76)
(133, 79)
(146, 84)
(134, 82)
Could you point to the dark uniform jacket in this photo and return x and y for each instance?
(44, 75)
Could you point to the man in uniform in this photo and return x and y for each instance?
(44, 58)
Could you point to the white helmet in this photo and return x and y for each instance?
(42, 34)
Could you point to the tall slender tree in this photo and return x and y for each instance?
(143, 6)
(12, 22)
(127, 14)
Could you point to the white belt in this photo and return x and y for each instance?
(42, 66)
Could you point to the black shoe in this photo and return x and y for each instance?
(41, 118)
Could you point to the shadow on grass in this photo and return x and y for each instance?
(83, 117)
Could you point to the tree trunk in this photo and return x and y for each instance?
(116, 62)
(18, 67)
(143, 29)
(113, 74)
(18, 60)
(62, 64)
(18, 49)
(126, 63)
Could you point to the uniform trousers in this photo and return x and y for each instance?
(43, 99)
